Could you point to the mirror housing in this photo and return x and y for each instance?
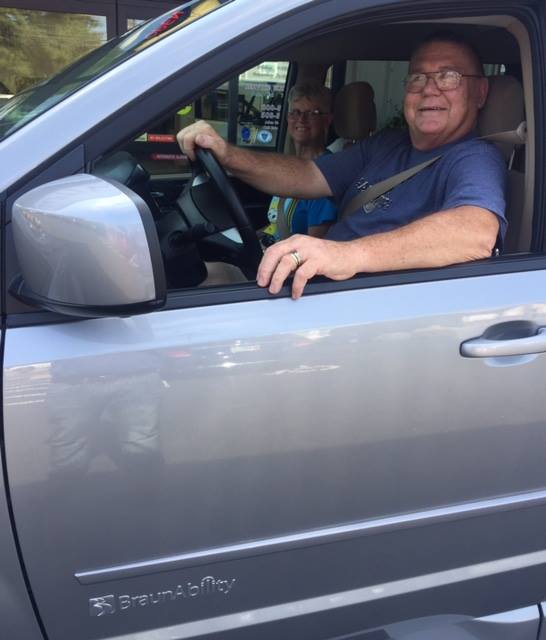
(88, 247)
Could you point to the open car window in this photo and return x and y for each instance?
(197, 233)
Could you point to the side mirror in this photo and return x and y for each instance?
(87, 247)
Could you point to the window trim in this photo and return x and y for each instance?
(250, 292)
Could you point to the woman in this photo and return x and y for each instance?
(309, 116)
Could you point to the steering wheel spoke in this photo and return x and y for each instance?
(215, 200)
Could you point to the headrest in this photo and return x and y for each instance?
(354, 111)
(504, 109)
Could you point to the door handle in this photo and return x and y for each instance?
(487, 348)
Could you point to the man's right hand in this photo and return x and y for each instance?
(201, 134)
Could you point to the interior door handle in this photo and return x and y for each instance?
(486, 348)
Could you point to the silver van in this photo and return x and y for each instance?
(183, 459)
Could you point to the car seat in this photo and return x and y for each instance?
(355, 115)
(504, 110)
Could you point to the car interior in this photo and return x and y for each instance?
(206, 218)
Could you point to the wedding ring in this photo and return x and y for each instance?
(297, 258)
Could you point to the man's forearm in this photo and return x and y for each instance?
(277, 174)
(448, 237)
(440, 239)
(273, 173)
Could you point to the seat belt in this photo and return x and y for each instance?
(516, 136)
(284, 218)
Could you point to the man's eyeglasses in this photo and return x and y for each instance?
(311, 114)
(446, 80)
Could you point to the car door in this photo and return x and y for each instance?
(238, 465)
(329, 465)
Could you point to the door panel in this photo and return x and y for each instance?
(318, 468)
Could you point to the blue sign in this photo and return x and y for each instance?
(246, 134)
(265, 136)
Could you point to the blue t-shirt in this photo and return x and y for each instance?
(300, 214)
(310, 213)
(470, 172)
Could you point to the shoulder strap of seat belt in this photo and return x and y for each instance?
(377, 190)
(517, 136)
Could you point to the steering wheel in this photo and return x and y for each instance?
(217, 201)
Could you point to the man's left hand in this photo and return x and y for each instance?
(306, 257)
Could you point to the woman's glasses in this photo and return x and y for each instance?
(312, 114)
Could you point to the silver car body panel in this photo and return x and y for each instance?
(356, 457)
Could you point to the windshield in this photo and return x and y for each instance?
(29, 104)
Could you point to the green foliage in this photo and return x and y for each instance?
(35, 45)
(396, 121)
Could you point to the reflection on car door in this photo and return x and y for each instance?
(320, 467)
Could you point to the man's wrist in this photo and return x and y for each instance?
(358, 255)
(236, 159)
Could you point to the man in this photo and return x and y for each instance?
(451, 212)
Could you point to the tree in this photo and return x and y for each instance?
(35, 45)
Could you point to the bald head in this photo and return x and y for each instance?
(447, 37)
